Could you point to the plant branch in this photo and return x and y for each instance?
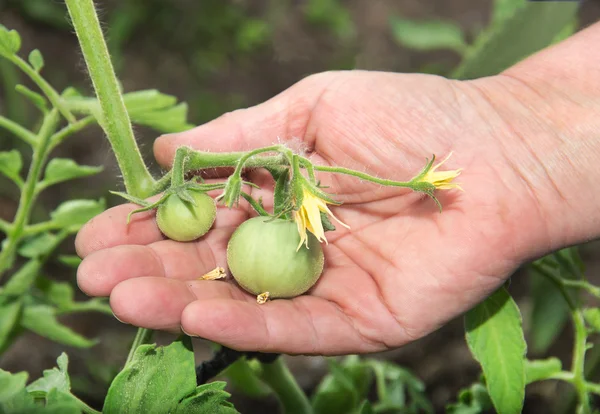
(143, 336)
(70, 129)
(114, 119)
(277, 376)
(5, 226)
(20, 132)
(364, 176)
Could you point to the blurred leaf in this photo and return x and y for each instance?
(172, 119)
(549, 313)
(243, 378)
(541, 369)
(41, 319)
(35, 98)
(70, 260)
(55, 378)
(64, 169)
(207, 398)
(36, 60)
(504, 10)
(495, 337)
(530, 28)
(472, 400)
(38, 245)
(10, 42)
(154, 381)
(331, 14)
(11, 164)
(61, 402)
(148, 100)
(366, 408)
(21, 281)
(428, 35)
(592, 317)
(11, 384)
(10, 309)
(62, 295)
(252, 34)
(75, 213)
(46, 12)
(344, 388)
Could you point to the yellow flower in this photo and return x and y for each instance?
(442, 180)
(308, 217)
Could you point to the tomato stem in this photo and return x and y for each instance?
(277, 376)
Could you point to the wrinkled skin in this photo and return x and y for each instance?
(403, 269)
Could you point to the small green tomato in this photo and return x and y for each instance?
(262, 257)
(183, 221)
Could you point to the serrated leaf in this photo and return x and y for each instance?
(592, 317)
(154, 381)
(35, 98)
(41, 319)
(10, 309)
(38, 245)
(75, 213)
(428, 35)
(11, 384)
(36, 60)
(69, 260)
(10, 42)
(11, 164)
(495, 337)
(529, 29)
(207, 398)
(21, 281)
(541, 369)
(64, 169)
(61, 402)
(55, 378)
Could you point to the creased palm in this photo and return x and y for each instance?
(401, 271)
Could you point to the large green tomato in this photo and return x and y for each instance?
(262, 257)
(183, 221)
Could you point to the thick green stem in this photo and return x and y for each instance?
(277, 376)
(178, 171)
(114, 119)
(20, 132)
(40, 154)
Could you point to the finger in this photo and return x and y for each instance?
(157, 303)
(304, 325)
(111, 229)
(285, 116)
(102, 270)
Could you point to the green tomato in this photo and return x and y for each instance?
(183, 221)
(262, 257)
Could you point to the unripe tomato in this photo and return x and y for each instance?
(183, 221)
(262, 257)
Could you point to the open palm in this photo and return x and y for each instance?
(401, 271)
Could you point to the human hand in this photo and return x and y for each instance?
(400, 272)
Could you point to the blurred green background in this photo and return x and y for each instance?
(219, 56)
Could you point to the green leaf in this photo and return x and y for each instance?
(148, 100)
(495, 337)
(11, 384)
(10, 42)
(35, 98)
(64, 169)
(59, 294)
(592, 317)
(21, 281)
(207, 398)
(38, 245)
(172, 119)
(10, 309)
(75, 213)
(541, 369)
(60, 402)
(344, 389)
(41, 319)
(55, 378)
(503, 10)
(70, 260)
(154, 381)
(241, 376)
(11, 164)
(549, 313)
(428, 35)
(529, 29)
(36, 60)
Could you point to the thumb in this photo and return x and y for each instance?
(281, 118)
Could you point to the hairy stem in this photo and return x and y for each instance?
(40, 154)
(143, 336)
(364, 176)
(114, 119)
(277, 376)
